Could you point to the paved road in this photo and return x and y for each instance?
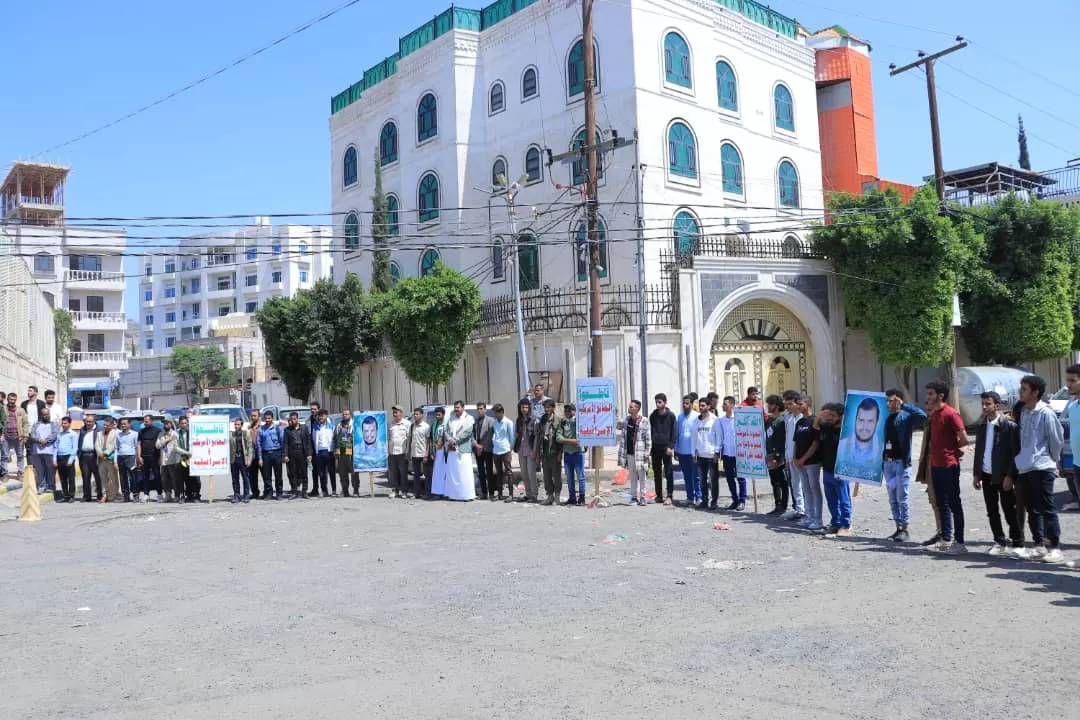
(379, 608)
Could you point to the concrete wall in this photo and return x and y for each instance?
(27, 333)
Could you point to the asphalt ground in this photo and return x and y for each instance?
(381, 608)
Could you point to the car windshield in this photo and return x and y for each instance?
(137, 424)
(302, 414)
(218, 411)
(1062, 394)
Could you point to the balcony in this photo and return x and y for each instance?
(91, 320)
(117, 360)
(215, 292)
(95, 279)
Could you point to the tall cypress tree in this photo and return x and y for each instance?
(381, 280)
(1021, 137)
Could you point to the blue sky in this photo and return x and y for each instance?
(255, 139)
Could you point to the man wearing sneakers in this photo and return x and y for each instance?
(948, 438)
(996, 445)
(903, 419)
(792, 414)
(1041, 439)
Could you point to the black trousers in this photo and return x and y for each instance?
(89, 468)
(324, 471)
(421, 472)
(996, 497)
(504, 474)
(240, 472)
(192, 484)
(346, 474)
(661, 468)
(781, 489)
(397, 472)
(254, 471)
(151, 475)
(129, 477)
(485, 471)
(709, 474)
(65, 470)
(271, 472)
(297, 471)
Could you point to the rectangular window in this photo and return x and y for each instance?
(196, 286)
(224, 283)
(170, 267)
(85, 262)
(251, 281)
(95, 303)
(183, 316)
(276, 248)
(186, 334)
(149, 343)
(224, 310)
(95, 342)
(148, 320)
(148, 295)
(170, 317)
(170, 292)
(196, 332)
(149, 271)
(303, 276)
(196, 311)
(276, 277)
(74, 304)
(251, 306)
(170, 341)
(44, 263)
(252, 253)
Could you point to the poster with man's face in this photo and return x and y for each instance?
(369, 441)
(862, 437)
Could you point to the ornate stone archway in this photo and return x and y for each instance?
(763, 344)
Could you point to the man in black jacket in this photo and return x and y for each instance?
(662, 428)
(997, 441)
(297, 454)
(88, 460)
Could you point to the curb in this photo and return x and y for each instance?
(14, 485)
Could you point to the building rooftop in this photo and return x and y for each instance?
(456, 18)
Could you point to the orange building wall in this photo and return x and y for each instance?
(848, 134)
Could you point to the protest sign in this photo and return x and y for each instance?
(595, 401)
(369, 441)
(209, 444)
(750, 443)
(862, 437)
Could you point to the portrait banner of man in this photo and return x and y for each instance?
(369, 441)
(862, 437)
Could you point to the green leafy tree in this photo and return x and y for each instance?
(381, 280)
(1023, 310)
(342, 332)
(200, 367)
(65, 333)
(286, 324)
(427, 321)
(899, 268)
(1021, 138)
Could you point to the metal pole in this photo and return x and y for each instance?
(642, 319)
(515, 279)
(935, 131)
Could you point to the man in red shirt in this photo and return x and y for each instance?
(948, 438)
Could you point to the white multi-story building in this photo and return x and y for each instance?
(79, 268)
(721, 97)
(224, 273)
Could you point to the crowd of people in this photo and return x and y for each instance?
(1016, 458)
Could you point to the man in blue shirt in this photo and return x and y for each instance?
(903, 419)
(67, 452)
(1071, 422)
(685, 431)
(126, 454)
(502, 444)
(269, 446)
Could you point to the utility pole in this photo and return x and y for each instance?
(509, 191)
(639, 176)
(927, 63)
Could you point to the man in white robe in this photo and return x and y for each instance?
(459, 460)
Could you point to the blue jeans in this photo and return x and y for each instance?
(688, 468)
(736, 486)
(838, 496)
(575, 463)
(947, 492)
(898, 483)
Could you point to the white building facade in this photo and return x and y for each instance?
(79, 268)
(722, 98)
(226, 273)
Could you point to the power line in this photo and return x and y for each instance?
(1009, 95)
(209, 76)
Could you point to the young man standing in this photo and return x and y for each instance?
(483, 427)
(297, 456)
(146, 458)
(525, 443)
(807, 464)
(419, 434)
(67, 450)
(502, 444)
(127, 449)
(1071, 416)
(903, 419)
(240, 454)
(105, 446)
(792, 413)
(634, 445)
(322, 454)
(537, 401)
(663, 434)
(736, 486)
(269, 447)
(685, 436)
(775, 457)
(1041, 439)
(996, 445)
(343, 453)
(549, 454)
(708, 442)
(837, 490)
(55, 410)
(397, 456)
(573, 455)
(948, 438)
(192, 486)
(16, 433)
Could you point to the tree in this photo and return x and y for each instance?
(285, 324)
(899, 268)
(1021, 138)
(381, 281)
(342, 332)
(1023, 309)
(427, 321)
(65, 333)
(200, 368)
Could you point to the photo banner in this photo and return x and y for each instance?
(750, 443)
(595, 401)
(209, 444)
(862, 437)
(369, 441)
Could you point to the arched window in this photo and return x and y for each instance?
(727, 87)
(734, 377)
(395, 273)
(787, 178)
(583, 251)
(497, 98)
(352, 232)
(732, 172)
(792, 247)
(677, 60)
(498, 265)
(579, 167)
(529, 85)
(428, 261)
(392, 206)
(428, 198)
(348, 170)
(498, 168)
(682, 152)
(388, 144)
(784, 108)
(528, 260)
(687, 233)
(303, 248)
(533, 170)
(427, 118)
(575, 69)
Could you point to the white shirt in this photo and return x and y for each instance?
(323, 437)
(988, 451)
(707, 438)
(31, 411)
(56, 413)
(790, 420)
(88, 441)
(727, 433)
(397, 435)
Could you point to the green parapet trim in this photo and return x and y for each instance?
(465, 19)
(444, 22)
